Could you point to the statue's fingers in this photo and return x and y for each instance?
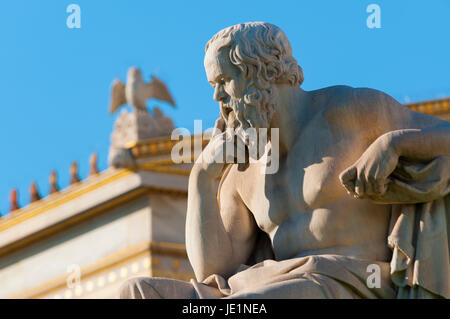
(381, 186)
(371, 185)
(347, 178)
(360, 185)
(379, 181)
(219, 126)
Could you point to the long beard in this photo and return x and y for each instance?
(254, 110)
(249, 115)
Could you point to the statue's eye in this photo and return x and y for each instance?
(224, 80)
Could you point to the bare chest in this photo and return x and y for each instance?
(307, 179)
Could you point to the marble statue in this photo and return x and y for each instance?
(139, 124)
(363, 184)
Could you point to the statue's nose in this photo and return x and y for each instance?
(219, 93)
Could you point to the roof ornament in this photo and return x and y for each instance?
(34, 193)
(53, 181)
(13, 197)
(74, 173)
(93, 170)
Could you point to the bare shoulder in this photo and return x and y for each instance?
(368, 110)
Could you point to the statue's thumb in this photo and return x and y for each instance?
(348, 177)
(219, 126)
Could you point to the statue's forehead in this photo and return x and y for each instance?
(216, 62)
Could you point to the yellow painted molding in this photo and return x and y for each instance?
(166, 248)
(107, 263)
(81, 189)
(74, 220)
(433, 107)
(161, 146)
(51, 202)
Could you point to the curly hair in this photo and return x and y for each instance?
(261, 51)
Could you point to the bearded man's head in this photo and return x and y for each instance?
(244, 63)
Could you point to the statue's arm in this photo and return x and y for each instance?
(422, 144)
(394, 132)
(217, 241)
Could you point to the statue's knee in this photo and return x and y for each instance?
(126, 288)
(137, 288)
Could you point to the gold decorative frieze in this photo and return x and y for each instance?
(433, 107)
(162, 145)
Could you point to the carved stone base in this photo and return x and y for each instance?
(120, 157)
(134, 127)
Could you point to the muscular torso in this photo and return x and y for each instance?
(303, 208)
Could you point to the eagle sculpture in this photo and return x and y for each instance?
(136, 92)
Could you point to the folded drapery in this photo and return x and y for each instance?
(310, 277)
(420, 228)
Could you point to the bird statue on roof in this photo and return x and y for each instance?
(139, 125)
(136, 92)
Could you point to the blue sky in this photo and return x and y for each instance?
(55, 81)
